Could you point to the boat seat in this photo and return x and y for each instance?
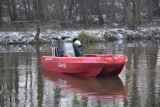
(67, 55)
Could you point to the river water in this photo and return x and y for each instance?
(24, 84)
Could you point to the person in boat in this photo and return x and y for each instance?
(78, 47)
(60, 49)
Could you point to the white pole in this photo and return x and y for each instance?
(53, 48)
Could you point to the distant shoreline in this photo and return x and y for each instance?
(148, 33)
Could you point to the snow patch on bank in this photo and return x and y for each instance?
(28, 37)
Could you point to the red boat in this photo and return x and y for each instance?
(90, 65)
(96, 88)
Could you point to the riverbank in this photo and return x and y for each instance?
(149, 33)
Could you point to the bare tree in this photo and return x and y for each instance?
(59, 10)
(129, 15)
(152, 4)
(0, 12)
(37, 34)
(132, 9)
(25, 9)
(84, 11)
(101, 21)
(71, 4)
(38, 9)
(40, 15)
(136, 12)
(12, 10)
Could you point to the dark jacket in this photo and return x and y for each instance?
(78, 49)
(59, 50)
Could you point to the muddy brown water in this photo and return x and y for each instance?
(24, 84)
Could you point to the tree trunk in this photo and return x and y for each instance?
(129, 16)
(25, 9)
(136, 12)
(100, 17)
(10, 11)
(38, 9)
(0, 13)
(70, 9)
(76, 13)
(59, 10)
(29, 5)
(152, 4)
(30, 10)
(37, 34)
(84, 11)
(14, 11)
(41, 11)
(46, 11)
(35, 8)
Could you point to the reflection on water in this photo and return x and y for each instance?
(22, 83)
(84, 89)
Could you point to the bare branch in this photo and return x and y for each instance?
(3, 89)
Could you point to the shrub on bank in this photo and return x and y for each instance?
(110, 36)
(87, 38)
(140, 34)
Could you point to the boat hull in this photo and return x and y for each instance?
(91, 65)
(113, 64)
